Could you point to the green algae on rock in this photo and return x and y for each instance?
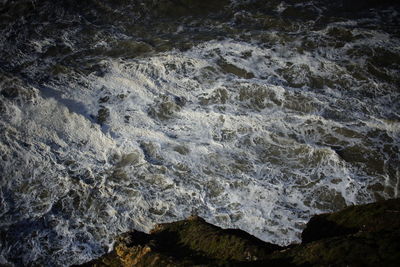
(186, 243)
(366, 235)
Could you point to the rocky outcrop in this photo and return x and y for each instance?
(186, 243)
(366, 235)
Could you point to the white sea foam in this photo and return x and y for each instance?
(186, 132)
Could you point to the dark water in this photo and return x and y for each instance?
(117, 115)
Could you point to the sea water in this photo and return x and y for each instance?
(117, 116)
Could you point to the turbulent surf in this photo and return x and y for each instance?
(118, 115)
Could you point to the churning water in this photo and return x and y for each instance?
(117, 115)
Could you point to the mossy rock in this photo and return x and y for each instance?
(17, 92)
(218, 96)
(15, 89)
(361, 249)
(58, 69)
(227, 67)
(279, 24)
(102, 115)
(258, 98)
(215, 242)
(151, 153)
(181, 149)
(366, 235)
(166, 107)
(372, 161)
(186, 243)
(385, 58)
(380, 216)
(296, 76)
(341, 34)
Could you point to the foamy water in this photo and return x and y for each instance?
(247, 134)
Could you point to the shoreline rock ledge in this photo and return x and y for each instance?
(364, 235)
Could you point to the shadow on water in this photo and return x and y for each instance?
(72, 105)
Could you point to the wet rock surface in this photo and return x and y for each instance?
(365, 235)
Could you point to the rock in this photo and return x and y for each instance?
(375, 217)
(361, 249)
(102, 115)
(297, 76)
(181, 149)
(104, 99)
(18, 93)
(227, 67)
(186, 243)
(165, 108)
(218, 96)
(366, 235)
